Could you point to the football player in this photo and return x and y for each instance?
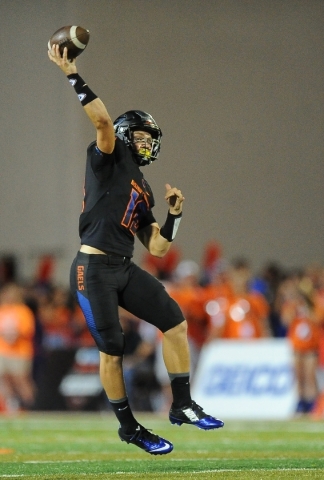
(117, 206)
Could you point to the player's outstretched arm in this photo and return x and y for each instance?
(93, 106)
(159, 240)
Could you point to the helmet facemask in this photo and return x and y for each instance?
(136, 120)
(145, 156)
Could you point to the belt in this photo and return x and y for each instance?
(115, 260)
(108, 259)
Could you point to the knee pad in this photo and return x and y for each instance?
(112, 342)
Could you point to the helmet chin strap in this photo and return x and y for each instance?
(142, 161)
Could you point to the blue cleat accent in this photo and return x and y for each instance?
(147, 441)
(194, 415)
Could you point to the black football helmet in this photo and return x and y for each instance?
(133, 120)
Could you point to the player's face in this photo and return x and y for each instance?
(142, 142)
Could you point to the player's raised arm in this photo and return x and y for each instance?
(93, 106)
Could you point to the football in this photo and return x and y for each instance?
(73, 37)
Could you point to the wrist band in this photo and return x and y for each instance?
(85, 94)
(169, 229)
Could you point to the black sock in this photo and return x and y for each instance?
(181, 391)
(124, 414)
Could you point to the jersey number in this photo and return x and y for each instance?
(130, 217)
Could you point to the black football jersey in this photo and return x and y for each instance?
(117, 200)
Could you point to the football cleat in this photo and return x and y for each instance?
(146, 440)
(194, 415)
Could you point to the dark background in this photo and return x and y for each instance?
(237, 88)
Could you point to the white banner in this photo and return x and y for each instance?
(246, 379)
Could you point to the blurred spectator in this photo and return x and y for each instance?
(38, 358)
(44, 273)
(318, 411)
(314, 272)
(17, 328)
(303, 314)
(55, 316)
(236, 312)
(219, 286)
(8, 269)
(213, 264)
(268, 283)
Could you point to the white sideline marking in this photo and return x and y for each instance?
(221, 470)
(60, 461)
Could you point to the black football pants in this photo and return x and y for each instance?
(101, 283)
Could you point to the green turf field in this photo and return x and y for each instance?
(77, 446)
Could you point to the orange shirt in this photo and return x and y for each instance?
(238, 316)
(304, 335)
(304, 328)
(245, 317)
(212, 292)
(321, 348)
(320, 303)
(17, 328)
